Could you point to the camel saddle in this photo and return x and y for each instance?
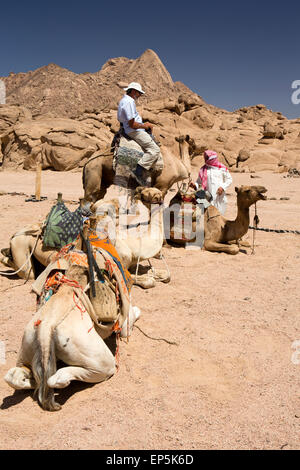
(127, 154)
(61, 226)
(112, 300)
(184, 209)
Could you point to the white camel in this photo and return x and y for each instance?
(60, 330)
(137, 243)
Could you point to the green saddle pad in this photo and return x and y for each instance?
(62, 226)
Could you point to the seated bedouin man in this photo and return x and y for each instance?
(135, 128)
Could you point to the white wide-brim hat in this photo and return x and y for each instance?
(135, 86)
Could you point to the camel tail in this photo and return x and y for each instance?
(44, 366)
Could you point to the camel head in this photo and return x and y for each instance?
(148, 196)
(248, 195)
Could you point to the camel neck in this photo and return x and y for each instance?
(242, 220)
(156, 218)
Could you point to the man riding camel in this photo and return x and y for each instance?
(140, 132)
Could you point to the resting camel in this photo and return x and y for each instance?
(132, 249)
(140, 243)
(98, 174)
(219, 232)
(61, 331)
(26, 251)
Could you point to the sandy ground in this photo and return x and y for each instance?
(232, 382)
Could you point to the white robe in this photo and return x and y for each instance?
(216, 178)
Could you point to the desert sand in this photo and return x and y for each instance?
(233, 379)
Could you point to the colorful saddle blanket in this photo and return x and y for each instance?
(107, 259)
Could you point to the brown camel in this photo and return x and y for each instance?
(98, 174)
(219, 232)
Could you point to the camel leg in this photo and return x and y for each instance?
(6, 261)
(20, 377)
(20, 252)
(134, 314)
(210, 245)
(77, 342)
(240, 242)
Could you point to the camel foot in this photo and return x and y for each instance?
(145, 281)
(162, 275)
(245, 244)
(5, 261)
(20, 378)
(7, 253)
(59, 380)
(221, 247)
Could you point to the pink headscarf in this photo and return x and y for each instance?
(211, 159)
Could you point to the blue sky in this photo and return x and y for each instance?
(231, 53)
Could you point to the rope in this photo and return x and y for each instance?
(162, 258)
(156, 339)
(297, 232)
(182, 183)
(138, 263)
(12, 287)
(106, 153)
(255, 221)
(27, 260)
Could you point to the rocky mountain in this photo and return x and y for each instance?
(62, 118)
(57, 91)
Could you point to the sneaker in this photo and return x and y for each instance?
(142, 176)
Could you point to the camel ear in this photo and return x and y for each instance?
(236, 189)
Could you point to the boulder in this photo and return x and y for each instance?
(243, 155)
(61, 143)
(200, 117)
(272, 132)
(263, 160)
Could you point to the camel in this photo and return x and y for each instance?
(98, 174)
(219, 233)
(140, 243)
(133, 247)
(26, 252)
(62, 329)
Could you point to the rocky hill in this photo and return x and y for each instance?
(62, 118)
(60, 92)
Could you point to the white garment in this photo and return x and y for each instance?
(217, 178)
(127, 111)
